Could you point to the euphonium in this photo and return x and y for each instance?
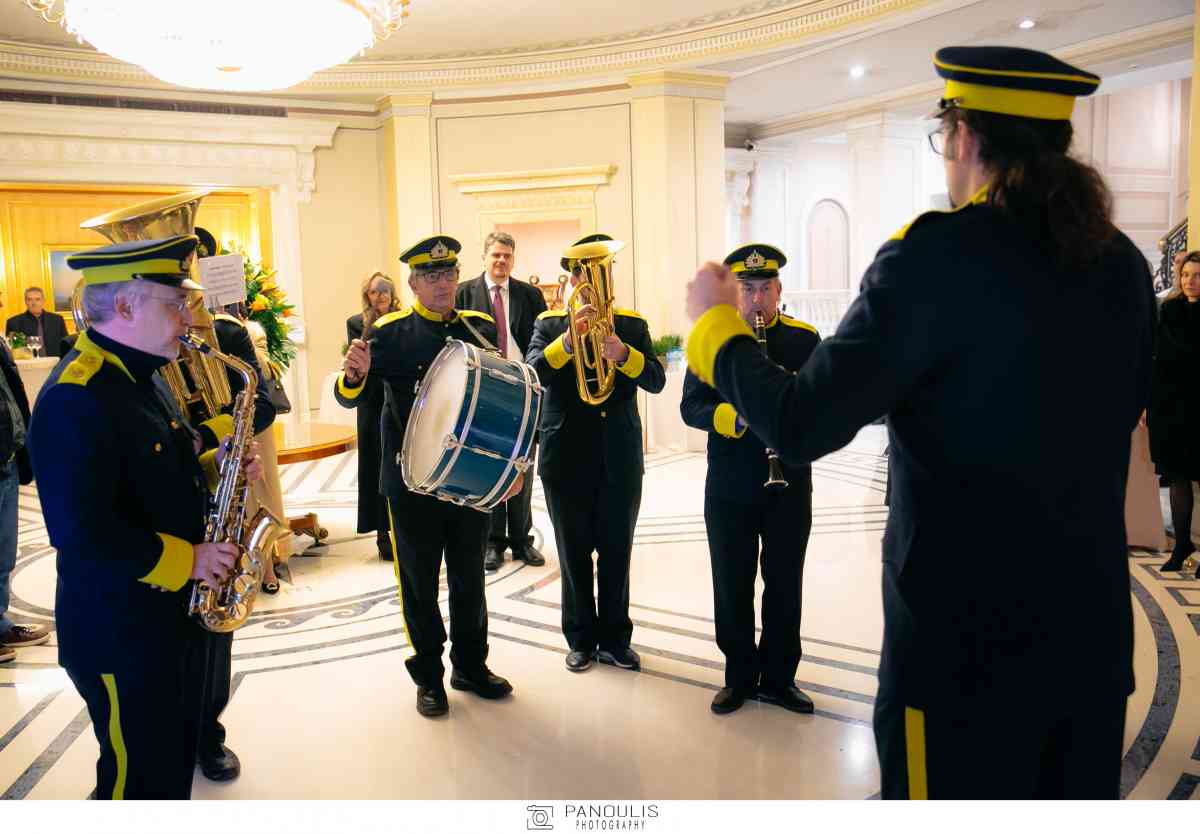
(226, 607)
(595, 376)
(775, 479)
(195, 379)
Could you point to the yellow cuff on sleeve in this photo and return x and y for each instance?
(174, 566)
(556, 353)
(220, 425)
(208, 462)
(725, 421)
(346, 391)
(635, 364)
(709, 334)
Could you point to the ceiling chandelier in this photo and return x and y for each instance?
(238, 45)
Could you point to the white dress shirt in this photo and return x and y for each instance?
(514, 350)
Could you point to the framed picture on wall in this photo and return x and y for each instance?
(58, 279)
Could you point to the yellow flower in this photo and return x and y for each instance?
(287, 312)
(260, 303)
(268, 285)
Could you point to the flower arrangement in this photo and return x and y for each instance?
(266, 303)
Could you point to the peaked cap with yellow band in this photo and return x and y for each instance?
(432, 253)
(755, 261)
(1010, 81)
(567, 263)
(165, 261)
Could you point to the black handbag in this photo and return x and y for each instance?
(276, 394)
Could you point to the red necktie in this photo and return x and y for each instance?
(501, 321)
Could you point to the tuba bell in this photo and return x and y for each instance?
(595, 376)
(198, 381)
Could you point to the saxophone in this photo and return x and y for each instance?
(226, 607)
(775, 479)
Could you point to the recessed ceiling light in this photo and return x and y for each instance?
(857, 71)
(1027, 23)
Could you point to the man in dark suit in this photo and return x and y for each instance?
(515, 305)
(991, 410)
(591, 468)
(39, 322)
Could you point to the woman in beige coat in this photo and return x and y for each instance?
(268, 491)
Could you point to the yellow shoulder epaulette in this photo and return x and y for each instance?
(228, 318)
(791, 322)
(633, 314)
(82, 368)
(979, 198)
(551, 314)
(391, 317)
(475, 314)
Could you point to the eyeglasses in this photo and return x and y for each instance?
(449, 276)
(937, 140)
(173, 303)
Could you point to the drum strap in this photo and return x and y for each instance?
(484, 343)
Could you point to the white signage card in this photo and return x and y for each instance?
(224, 280)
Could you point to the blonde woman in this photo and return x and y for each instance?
(1175, 402)
(378, 299)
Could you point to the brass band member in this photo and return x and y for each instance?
(1008, 342)
(591, 468)
(740, 511)
(424, 528)
(124, 497)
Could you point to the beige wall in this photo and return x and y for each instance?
(340, 244)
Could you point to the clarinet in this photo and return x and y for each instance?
(775, 479)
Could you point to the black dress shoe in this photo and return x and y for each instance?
(483, 683)
(625, 658)
(494, 558)
(789, 697)
(579, 661)
(529, 555)
(431, 701)
(220, 765)
(728, 700)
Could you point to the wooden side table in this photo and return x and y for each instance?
(313, 441)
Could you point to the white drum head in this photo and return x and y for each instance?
(435, 413)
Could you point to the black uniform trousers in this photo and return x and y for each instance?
(147, 724)
(597, 517)
(216, 651)
(782, 522)
(513, 519)
(426, 530)
(989, 750)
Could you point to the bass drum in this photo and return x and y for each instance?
(471, 427)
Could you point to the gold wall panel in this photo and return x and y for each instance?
(37, 222)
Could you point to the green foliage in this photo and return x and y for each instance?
(266, 303)
(665, 344)
(16, 340)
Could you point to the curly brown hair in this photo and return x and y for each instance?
(369, 313)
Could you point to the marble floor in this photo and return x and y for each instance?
(323, 707)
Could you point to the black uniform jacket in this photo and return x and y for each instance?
(54, 328)
(403, 344)
(525, 300)
(369, 409)
(13, 377)
(234, 339)
(1011, 391)
(124, 498)
(580, 439)
(737, 461)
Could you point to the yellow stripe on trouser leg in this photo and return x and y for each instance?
(115, 738)
(914, 745)
(396, 567)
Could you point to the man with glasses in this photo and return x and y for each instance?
(425, 529)
(1008, 342)
(49, 328)
(125, 494)
(740, 511)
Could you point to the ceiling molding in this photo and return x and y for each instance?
(772, 27)
(1119, 46)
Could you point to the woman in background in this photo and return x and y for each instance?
(378, 299)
